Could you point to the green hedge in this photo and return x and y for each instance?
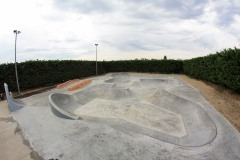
(222, 68)
(150, 66)
(44, 73)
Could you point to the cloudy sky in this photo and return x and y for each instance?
(124, 29)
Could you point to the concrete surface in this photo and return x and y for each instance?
(128, 116)
(13, 105)
(149, 107)
(11, 145)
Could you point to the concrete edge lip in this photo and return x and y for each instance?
(60, 112)
(13, 105)
(194, 138)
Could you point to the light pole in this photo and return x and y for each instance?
(16, 32)
(96, 59)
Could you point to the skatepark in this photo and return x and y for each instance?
(125, 116)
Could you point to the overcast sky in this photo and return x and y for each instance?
(124, 29)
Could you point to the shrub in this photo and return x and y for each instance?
(222, 68)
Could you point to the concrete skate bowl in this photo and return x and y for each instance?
(119, 78)
(150, 83)
(160, 114)
(64, 105)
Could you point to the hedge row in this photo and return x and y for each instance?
(222, 68)
(44, 73)
(144, 65)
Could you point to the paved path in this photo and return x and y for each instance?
(11, 142)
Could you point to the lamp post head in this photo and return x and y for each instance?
(16, 32)
(96, 44)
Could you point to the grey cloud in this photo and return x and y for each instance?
(226, 14)
(67, 39)
(143, 15)
(72, 39)
(30, 50)
(135, 46)
(50, 53)
(204, 42)
(185, 9)
(55, 41)
(177, 8)
(127, 45)
(35, 50)
(54, 18)
(84, 6)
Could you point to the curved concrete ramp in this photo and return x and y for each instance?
(200, 128)
(103, 91)
(159, 82)
(12, 103)
(119, 78)
(62, 105)
(161, 115)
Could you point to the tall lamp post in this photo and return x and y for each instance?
(96, 59)
(16, 32)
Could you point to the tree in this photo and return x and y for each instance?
(165, 57)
